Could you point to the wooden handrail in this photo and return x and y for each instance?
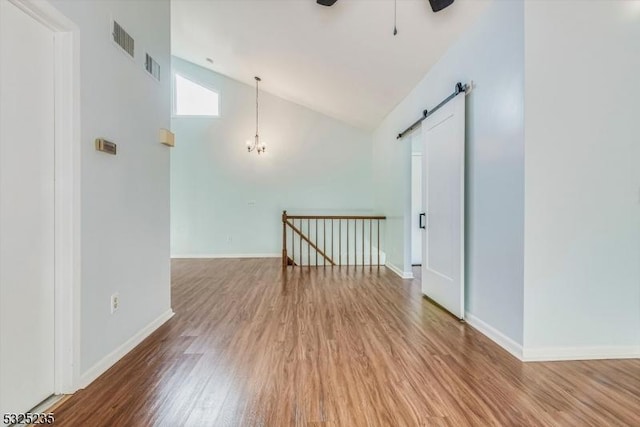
(374, 217)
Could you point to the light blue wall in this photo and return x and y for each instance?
(125, 198)
(582, 253)
(225, 201)
(491, 54)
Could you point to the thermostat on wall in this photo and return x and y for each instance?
(106, 146)
(167, 138)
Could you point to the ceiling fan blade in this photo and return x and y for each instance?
(326, 2)
(437, 5)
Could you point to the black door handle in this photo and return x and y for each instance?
(423, 217)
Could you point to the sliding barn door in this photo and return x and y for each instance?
(443, 202)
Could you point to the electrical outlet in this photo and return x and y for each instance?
(229, 239)
(115, 302)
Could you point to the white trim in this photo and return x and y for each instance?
(47, 404)
(216, 256)
(67, 191)
(403, 275)
(494, 335)
(46, 14)
(112, 358)
(541, 354)
(67, 211)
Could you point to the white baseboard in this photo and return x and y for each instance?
(494, 335)
(550, 354)
(580, 353)
(216, 256)
(110, 359)
(403, 275)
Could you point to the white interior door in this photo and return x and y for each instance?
(416, 208)
(26, 210)
(443, 202)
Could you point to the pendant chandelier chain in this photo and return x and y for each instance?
(395, 17)
(257, 145)
(257, 109)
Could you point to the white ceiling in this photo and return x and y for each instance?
(342, 61)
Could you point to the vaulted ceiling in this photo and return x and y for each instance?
(343, 61)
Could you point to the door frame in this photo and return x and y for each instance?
(66, 191)
(412, 214)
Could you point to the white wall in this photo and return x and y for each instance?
(125, 198)
(225, 201)
(582, 241)
(491, 54)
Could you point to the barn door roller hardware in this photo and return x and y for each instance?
(436, 5)
(460, 88)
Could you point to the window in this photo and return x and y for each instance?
(193, 99)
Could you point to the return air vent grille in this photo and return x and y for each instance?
(152, 67)
(123, 39)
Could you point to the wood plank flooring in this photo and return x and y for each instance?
(249, 346)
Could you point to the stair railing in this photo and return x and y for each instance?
(331, 240)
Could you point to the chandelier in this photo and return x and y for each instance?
(256, 144)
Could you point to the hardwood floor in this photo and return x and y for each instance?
(249, 346)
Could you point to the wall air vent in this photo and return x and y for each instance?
(123, 39)
(152, 67)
